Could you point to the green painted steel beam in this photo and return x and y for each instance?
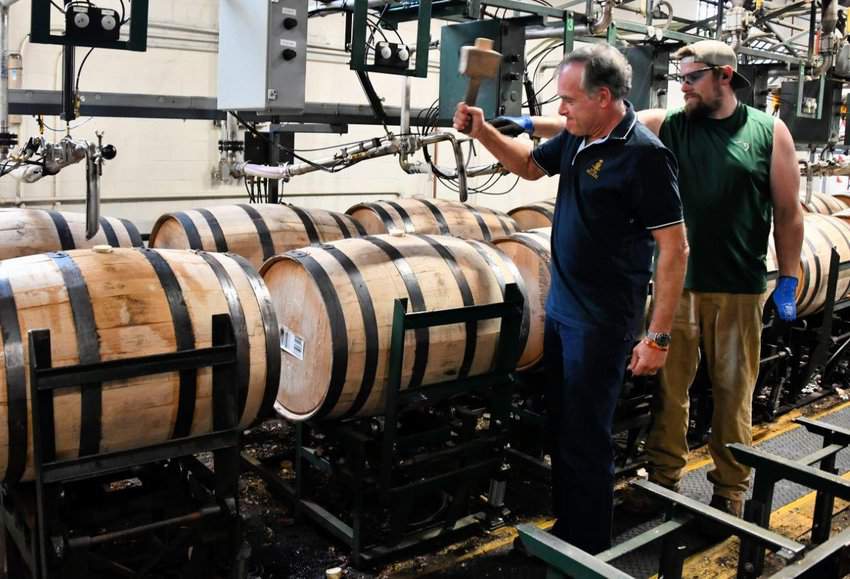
(835, 433)
(781, 468)
(784, 547)
(569, 32)
(646, 538)
(818, 562)
(564, 558)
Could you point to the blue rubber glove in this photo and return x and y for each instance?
(514, 126)
(785, 298)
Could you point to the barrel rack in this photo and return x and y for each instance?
(81, 516)
(386, 471)
(829, 558)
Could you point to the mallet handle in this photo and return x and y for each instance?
(472, 91)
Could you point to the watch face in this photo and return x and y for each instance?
(662, 340)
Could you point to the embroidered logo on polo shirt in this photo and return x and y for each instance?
(743, 144)
(594, 169)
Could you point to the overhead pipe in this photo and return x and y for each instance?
(406, 137)
(829, 17)
(601, 26)
(541, 32)
(828, 22)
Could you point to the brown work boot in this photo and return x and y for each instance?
(734, 507)
(715, 531)
(639, 502)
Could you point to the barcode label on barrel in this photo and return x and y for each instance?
(291, 343)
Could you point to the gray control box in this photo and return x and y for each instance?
(262, 55)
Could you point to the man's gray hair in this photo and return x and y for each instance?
(604, 66)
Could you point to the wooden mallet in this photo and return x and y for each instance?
(478, 62)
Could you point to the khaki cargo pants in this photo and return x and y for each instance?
(730, 327)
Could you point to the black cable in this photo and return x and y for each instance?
(80, 71)
(250, 193)
(373, 27)
(511, 188)
(543, 56)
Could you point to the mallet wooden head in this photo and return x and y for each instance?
(478, 62)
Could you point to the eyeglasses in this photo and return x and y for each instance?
(693, 77)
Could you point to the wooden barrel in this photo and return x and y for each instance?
(256, 232)
(531, 253)
(823, 204)
(31, 231)
(534, 215)
(433, 217)
(335, 306)
(822, 232)
(111, 304)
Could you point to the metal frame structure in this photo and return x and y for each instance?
(42, 544)
(358, 41)
(567, 560)
(771, 468)
(831, 558)
(383, 468)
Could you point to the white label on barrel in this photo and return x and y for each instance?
(291, 343)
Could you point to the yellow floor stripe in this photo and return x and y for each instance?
(448, 558)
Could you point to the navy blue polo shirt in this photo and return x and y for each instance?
(612, 193)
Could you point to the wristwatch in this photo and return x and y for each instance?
(660, 339)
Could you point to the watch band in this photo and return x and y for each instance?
(660, 339)
(651, 343)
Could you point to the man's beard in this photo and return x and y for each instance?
(699, 108)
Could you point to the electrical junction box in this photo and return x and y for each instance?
(87, 22)
(807, 128)
(649, 76)
(262, 55)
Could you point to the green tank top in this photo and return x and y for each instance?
(724, 182)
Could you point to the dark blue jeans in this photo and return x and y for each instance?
(584, 374)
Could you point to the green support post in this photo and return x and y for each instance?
(569, 32)
(611, 35)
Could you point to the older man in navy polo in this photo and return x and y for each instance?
(617, 200)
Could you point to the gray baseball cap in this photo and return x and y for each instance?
(714, 53)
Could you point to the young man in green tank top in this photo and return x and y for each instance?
(738, 172)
